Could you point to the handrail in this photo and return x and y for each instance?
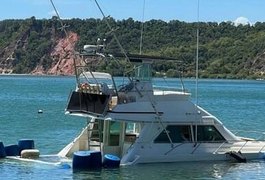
(219, 147)
(173, 148)
(243, 145)
(262, 148)
(215, 151)
(261, 137)
(196, 147)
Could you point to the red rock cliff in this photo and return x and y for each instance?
(63, 57)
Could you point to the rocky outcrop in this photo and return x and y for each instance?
(258, 65)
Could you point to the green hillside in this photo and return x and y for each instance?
(225, 51)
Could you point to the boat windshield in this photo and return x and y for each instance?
(96, 78)
(143, 72)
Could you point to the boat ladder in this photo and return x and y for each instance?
(94, 134)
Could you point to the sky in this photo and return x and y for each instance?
(242, 11)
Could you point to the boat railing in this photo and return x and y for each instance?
(219, 147)
(244, 145)
(227, 149)
(255, 135)
(240, 148)
(262, 148)
(168, 88)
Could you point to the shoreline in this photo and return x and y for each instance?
(52, 75)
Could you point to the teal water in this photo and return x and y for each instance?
(239, 104)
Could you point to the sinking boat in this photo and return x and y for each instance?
(142, 124)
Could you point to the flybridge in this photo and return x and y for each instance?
(99, 50)
(141, 58)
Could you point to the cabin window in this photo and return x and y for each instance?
(177, 133)
(208, 134)
(132, 130)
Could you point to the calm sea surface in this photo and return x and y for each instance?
(239, 104)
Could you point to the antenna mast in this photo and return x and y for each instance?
(67, 37)
(112, 30)
(197, 53)
(142, 29)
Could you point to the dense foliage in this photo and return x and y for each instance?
(225, 50)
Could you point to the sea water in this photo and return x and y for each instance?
(239, 104)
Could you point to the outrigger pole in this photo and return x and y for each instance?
(197, 68)
(63, 28)
(197, 52)
(114, 35)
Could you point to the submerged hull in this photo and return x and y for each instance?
(142, 152)
(188, 152)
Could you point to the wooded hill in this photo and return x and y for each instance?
(225, 50)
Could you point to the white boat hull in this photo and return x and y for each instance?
(187, 152)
